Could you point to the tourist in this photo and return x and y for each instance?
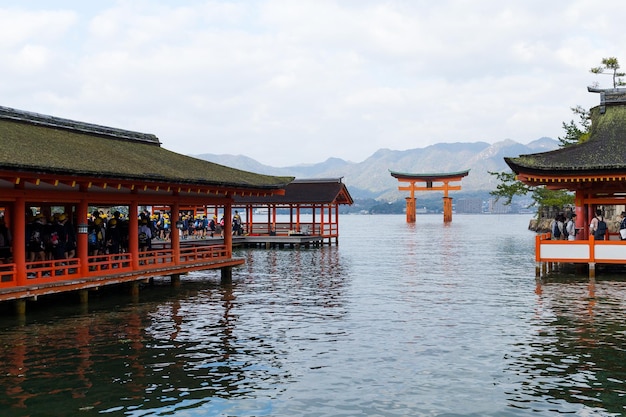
(145, 235)
(570, 227)
(237, 224)
(5, 242)
(213, 225)
(622, 226)
(556, 227)
(597, 227)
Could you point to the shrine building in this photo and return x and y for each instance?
(312, 206)
(595, 171)
(53, 168)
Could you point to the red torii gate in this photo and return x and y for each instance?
(444, 178)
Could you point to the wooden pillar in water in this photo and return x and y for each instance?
(592, 269)
(227, 275)
(410, 209)
(447, 209)
(83, 296)
(20, 307)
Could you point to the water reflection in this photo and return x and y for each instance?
(205, 342)
(576, 354)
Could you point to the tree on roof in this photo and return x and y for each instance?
(611, 65)
(576, 132)
(509, 187)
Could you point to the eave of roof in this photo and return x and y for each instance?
(429, 176)
(31, 143)
(306, 191)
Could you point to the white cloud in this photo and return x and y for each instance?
(289, 82)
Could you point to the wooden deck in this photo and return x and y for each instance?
(51, 277)
(292, 241)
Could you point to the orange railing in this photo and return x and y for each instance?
(579, 251)
(99, 265)
(309, 228)
(7, 275)
(198, 253)
(112, 263)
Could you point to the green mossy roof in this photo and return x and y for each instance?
(604, 151)
(109, 153)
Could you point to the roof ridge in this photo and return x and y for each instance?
(58, 122)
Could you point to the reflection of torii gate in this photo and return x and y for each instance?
(429, 179)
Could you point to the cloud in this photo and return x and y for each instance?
(295, 82)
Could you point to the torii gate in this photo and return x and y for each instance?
(429, 179)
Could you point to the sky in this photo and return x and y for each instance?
(289, 82)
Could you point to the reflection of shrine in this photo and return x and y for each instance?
(432, 182)
(574, 355)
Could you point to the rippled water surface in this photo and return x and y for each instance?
(397, 320)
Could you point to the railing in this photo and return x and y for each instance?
(156, 258)
(40, 272)
(284, 229)
(112, 263)
(579, 251)
(7, 276)
(194, 254)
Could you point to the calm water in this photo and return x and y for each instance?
(398, 320)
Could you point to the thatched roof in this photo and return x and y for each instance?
(306, 191)
(603, 153)
(31, 142)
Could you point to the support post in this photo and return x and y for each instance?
(82, 238)
(174, 238)
(447, 209)
(19, 240)
(134, 291)
(227, 275)
(133, 232)
(410, 209)
(83, 296)
(175, 280)
(20, 307)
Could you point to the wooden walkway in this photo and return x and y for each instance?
(294, 241)
(53, 277)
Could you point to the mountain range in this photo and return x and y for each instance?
(371, 178)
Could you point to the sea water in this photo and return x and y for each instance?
(424, 319)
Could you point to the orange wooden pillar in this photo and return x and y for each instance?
(580, 211)
(228, 228)
(133, 232)
(19, 239)
(82, 244)
(447, 209)
(410, 209)
(175, 239)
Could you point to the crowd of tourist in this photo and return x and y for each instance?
(54, 237)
